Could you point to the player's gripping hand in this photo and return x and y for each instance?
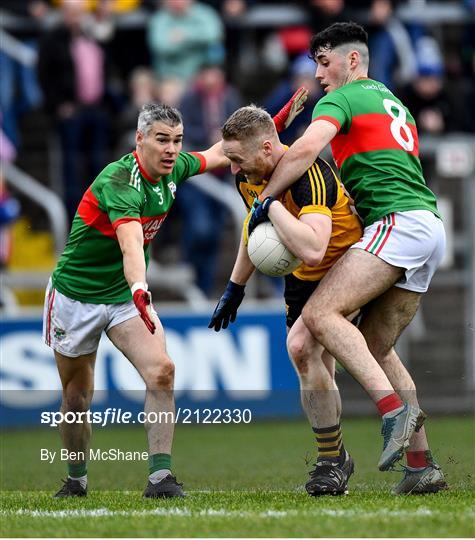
(291, 109)
(143, 303)
(259, 213)
(226, 310)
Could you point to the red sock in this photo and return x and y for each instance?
(417, 460)
(389, 403)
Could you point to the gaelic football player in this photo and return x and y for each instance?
(314, 220)
(375, 145)
(100, 283)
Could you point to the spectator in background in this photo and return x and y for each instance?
(323, 13)
(19, 88)
(72, 75)
(467, 47)
(204, 108)
(393, 59)
(302, 73)
(9, 206)
(182, 36)
(426, 96)
(143, 88)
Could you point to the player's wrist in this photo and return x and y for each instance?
(138, 285)
(266, 203)
(235, 287)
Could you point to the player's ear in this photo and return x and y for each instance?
(138, 137)
(267, 147)
(354, 58)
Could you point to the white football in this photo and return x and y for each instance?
(268, 254)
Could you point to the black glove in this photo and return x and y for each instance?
(226, 310)
(259, 213)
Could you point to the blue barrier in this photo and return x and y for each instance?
(244, 367)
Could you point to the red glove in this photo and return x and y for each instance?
(143, 303)
(290, 110)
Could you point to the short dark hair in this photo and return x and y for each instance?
(158, 112)
(338, 34)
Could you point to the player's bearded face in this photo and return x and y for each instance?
(158, 149)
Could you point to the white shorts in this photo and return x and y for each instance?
(74, 328)
(413, 240)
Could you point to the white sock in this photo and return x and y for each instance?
(157, 476)
(81, 479)
(395, 412)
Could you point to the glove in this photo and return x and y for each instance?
(291, 109)
(226, 310)
(143, 302)
(259, 214)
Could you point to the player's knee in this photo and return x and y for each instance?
(76, 401)
(314, 320)
(161, 376)
(298, 352)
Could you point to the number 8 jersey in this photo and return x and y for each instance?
(376, 149)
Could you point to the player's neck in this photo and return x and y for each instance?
(356, 75)
(143, 170)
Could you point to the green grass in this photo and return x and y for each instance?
(242, 480)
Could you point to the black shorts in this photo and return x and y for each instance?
(296, 294)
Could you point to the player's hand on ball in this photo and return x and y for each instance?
(143, 303)
(259, 213)
(291, 109)
(226, 310)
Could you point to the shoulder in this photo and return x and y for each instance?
(187, 164)
(119, 176)
(317, 186)
(118, 171)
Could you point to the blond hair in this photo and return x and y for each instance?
(248, 124)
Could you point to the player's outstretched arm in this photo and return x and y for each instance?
(299, 157)
(214, 155)
(226, 309)
(215, 159)
(130, 237)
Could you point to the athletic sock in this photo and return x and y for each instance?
(330, 444)
(78, 471)
(389, 404)
(159, 466)
(81, 479)
(419, 460)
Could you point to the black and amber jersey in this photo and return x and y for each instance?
(318, 191)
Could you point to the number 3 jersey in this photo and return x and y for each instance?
(376, 150)
(91, 267)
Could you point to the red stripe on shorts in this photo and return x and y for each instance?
(48, 319)
(390, 228)
(376, 234)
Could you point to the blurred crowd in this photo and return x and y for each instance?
(91, 64)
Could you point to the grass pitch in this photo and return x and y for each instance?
(242, 480)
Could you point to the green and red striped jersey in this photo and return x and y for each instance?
(90, 268)
(376, 149)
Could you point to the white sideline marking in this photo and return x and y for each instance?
(220, 512)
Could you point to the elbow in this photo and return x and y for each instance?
(312, 257)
